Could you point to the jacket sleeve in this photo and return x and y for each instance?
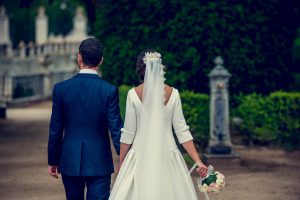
(181, 128)
(129, 130)
(56, 129)
(115, 122)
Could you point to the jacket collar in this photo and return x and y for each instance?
(84, 75)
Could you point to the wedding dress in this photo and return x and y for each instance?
(154, 168)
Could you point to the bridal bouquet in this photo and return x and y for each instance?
(212, 183)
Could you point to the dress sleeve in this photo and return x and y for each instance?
(181, 128)
(129, 130)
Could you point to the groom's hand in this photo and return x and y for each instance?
(53, 171)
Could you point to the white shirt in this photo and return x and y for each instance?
(87, 71)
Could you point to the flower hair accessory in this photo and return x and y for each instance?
(152, 56)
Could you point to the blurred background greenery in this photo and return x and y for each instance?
(258, 39)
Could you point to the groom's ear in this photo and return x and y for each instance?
(79, 59)
(101, 61)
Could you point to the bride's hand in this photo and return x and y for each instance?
(119, 166)
(202, 170)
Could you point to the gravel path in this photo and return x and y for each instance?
(261, 173)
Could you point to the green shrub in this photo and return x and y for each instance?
(195, 109)
(123, 89)
(272, 119)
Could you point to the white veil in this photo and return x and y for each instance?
(154, 164)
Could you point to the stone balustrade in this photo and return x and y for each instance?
(32, 50)
(16, 88)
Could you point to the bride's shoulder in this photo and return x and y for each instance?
(171, 93)
(171, 90)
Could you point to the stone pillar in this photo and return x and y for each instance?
(41, 27)
(220, 153)
(45, 61)
(4, 27)
(219, 142)
(8, 87)
(47, 84)
(80, 24)
(79, 31)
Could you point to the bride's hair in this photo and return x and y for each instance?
(140, 65)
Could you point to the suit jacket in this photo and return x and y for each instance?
(84, 108)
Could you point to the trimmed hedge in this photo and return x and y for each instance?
(123, 89)
(273, 119)
(195, 109)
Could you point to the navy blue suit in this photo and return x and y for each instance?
(84, 108)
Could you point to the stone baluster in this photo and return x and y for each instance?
(8, 87)
(38, 50)
(9, 51)
(56, 47)
(31, 49)
(50, 48)
(62, 48)
(46, 49)
(22, 50)
(68, 48)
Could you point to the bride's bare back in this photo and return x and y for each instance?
(168, 92)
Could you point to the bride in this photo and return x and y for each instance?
(151, 166)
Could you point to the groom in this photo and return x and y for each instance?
(84, 108)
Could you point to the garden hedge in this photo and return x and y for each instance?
(273, 119)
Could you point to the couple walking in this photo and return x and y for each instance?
(85, 107)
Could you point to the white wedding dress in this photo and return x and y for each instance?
(175, 182)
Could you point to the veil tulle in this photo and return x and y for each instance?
(154, 167)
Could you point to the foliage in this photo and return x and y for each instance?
(196, 111)
(250, 35)
(123, 90)
(272, 119)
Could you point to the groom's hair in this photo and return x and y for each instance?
(140, 65)
(91, 52)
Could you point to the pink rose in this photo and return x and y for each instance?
(212, 185)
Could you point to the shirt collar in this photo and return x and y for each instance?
(87, 71)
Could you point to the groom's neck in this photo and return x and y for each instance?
(91, 68)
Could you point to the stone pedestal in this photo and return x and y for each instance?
(220, 146)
